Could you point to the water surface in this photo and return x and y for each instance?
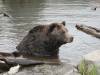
(25, 14)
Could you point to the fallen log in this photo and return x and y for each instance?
(89, 30)
(21, 61)
(11, 59)
(7, 63)
(8, 60)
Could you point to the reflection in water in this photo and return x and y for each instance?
(25, 14)
(21, 13)
(24, 10)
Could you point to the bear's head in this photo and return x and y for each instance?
(58, 32)
(45, 39)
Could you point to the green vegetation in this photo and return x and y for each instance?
(85, 68)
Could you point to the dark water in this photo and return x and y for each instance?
(25, 14)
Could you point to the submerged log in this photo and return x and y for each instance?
(89, 30)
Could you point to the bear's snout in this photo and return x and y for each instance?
(70, 39)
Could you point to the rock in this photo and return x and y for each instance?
(94, 8)
(90, 63)
(93, 56)
(4, 14)
(47, 69)
(14, 70)
(44, 69)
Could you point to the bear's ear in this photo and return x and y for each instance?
(63, 22)
(31, 31)
(51, 27)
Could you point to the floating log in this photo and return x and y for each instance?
(89, 30)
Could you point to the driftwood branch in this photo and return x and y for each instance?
(89, 30)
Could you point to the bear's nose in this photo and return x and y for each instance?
(71, 39)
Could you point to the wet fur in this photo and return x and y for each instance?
(42, 40)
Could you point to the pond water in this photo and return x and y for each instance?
(25, 14)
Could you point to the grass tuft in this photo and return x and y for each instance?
(85, 68)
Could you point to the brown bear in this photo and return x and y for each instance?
(45, 40)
